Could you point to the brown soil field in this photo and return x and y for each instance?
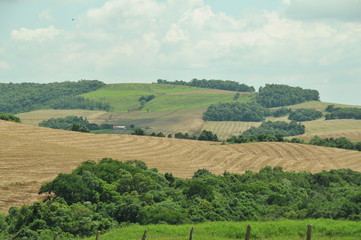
(30, 156)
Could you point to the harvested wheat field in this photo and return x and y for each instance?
(32, 155)
(226, 129)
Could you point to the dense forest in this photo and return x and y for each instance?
(25, 97)
(304, 114)
(9, 117)
(214, 84)
(250, 112)
(277, 128)
(280, 112)
(73, 123)
(99, 196)
(277, 95)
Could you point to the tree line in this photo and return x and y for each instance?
(24, 97)
(279, 127)
(213, 84)
(9, 117)
(342, 113)
(100, 196)
(236, 111)
(73, 123)
(254, 112)
(278, 95)
(203, 136)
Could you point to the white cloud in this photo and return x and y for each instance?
(347, 10)
(144, 40)
(45, 15)
(39, 35)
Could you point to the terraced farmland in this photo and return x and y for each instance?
(31, 156)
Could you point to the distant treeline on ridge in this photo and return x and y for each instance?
(214, 84)
(278, 95)
(24, 97)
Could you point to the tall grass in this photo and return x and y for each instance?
(279, 230)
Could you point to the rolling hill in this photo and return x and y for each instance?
(124, 97)
(32, 155)
(177, 108)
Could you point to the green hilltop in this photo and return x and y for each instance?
(124, 97)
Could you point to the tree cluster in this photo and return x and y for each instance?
(277, 128)
(9, 117)
(343, 113)
(25, 97)
(73, 123)
(280, 112)
(214, 84)
(99, 196)
(340, 142)
(236, 111)
(304, 114)
(277, 95)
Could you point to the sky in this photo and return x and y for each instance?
(306, 43)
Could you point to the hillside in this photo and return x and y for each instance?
(125, 97)
(32, 155)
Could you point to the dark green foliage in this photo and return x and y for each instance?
(139, 132)
(331, 108)
(280, 112)
(277, 128)
(214, 84)
(304, 114)
(146, 98)
(73, 123)
(261, 137)
(25, 97)
(78, 102)
(236, 96)
(340, 142)
(180, 135)
(208, 136)
(277, 95)
(97, 196)
(236, 111)
(344, 113)
(64, 123)
(76, 127)
(9, 117)
(160, 134)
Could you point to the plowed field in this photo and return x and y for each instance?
(30, 156)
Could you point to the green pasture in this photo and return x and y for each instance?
(123, 97)
(279, 230)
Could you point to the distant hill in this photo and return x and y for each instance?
(125, 97)
(34, 155)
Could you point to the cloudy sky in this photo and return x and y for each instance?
(306, 43)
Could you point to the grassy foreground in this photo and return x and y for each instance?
(280, 230)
